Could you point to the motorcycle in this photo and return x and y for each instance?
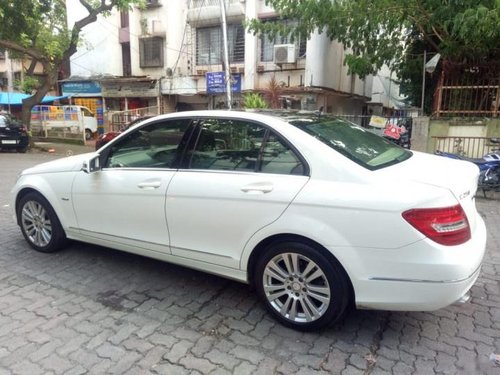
(489, 167)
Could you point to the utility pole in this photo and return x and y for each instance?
(226, 56)
(10, 77)
(423, 84)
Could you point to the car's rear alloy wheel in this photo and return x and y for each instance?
(301, 287)
(39, 223)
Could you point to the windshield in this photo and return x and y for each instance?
(358, 144)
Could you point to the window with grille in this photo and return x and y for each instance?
(209, 46)
(267, 44)
(2, 54)
(151, 52)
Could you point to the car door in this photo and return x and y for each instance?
(125, 201)
(237, 178)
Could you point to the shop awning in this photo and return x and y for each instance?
(16, 98)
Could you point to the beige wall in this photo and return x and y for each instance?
(424, 130)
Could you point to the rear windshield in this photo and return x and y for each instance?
(358, 144)
(6, 120)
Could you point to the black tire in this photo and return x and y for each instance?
(39, 224)
(88, 134)
(329, 299)
(22, 150)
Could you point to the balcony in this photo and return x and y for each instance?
(208, 11)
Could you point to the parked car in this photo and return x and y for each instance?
(106, 137)
(317, 213)
(13, 135)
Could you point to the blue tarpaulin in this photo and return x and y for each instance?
(16, 98)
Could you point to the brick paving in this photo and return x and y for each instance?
(92, 310)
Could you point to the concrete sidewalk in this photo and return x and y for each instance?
(65, 149)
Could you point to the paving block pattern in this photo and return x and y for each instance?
(92, 310)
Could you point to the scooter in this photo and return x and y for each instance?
(489, 167)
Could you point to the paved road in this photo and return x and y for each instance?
(94, 310)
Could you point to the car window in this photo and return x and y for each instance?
(87, 112)
(360, 145)
(226, 144)
(237, 145)
(278, 158)
(155, 145)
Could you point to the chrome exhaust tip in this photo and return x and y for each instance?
(464, 299)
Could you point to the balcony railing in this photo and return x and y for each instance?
(207, 3)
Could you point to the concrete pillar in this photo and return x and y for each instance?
(251, 53)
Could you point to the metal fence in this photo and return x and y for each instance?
(468, 90)
(120, 119)
(472, 147)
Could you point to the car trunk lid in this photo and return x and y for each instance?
(459, 177)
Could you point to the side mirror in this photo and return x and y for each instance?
(92, 164)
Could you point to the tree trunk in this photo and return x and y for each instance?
(31, 101)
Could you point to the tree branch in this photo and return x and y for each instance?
(32, 67)
(437, 34)
(79, 25)
(425, 34)
(10, 45)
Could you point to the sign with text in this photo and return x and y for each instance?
(81, 87)
(216, 82)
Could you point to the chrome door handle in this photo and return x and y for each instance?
(258, 188)
(149, 185)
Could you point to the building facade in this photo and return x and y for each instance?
(12, 77)
(168, 55)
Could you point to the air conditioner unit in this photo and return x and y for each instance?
(284, 54)
(152, 3)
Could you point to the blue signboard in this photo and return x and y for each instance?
(81, 87)
(216, 83)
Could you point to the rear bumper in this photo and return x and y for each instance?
(14, 142)
(422, 276)
(416, 295)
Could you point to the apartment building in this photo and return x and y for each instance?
(169, 55)
(12, 75)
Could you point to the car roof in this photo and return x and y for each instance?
(264, 115)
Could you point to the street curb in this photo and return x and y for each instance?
(62, 148)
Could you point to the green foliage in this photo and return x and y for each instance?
(377, 32)
(28, 85)
(273, 92)
(253, 100)
(144, 25)
(37, 31)
(40, 26)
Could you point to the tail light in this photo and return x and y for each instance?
(447, 225)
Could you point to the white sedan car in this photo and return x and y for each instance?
(317, 213)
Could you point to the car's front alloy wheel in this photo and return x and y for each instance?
(301, 287)
(39, 223)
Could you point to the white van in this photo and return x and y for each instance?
(76, 118)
